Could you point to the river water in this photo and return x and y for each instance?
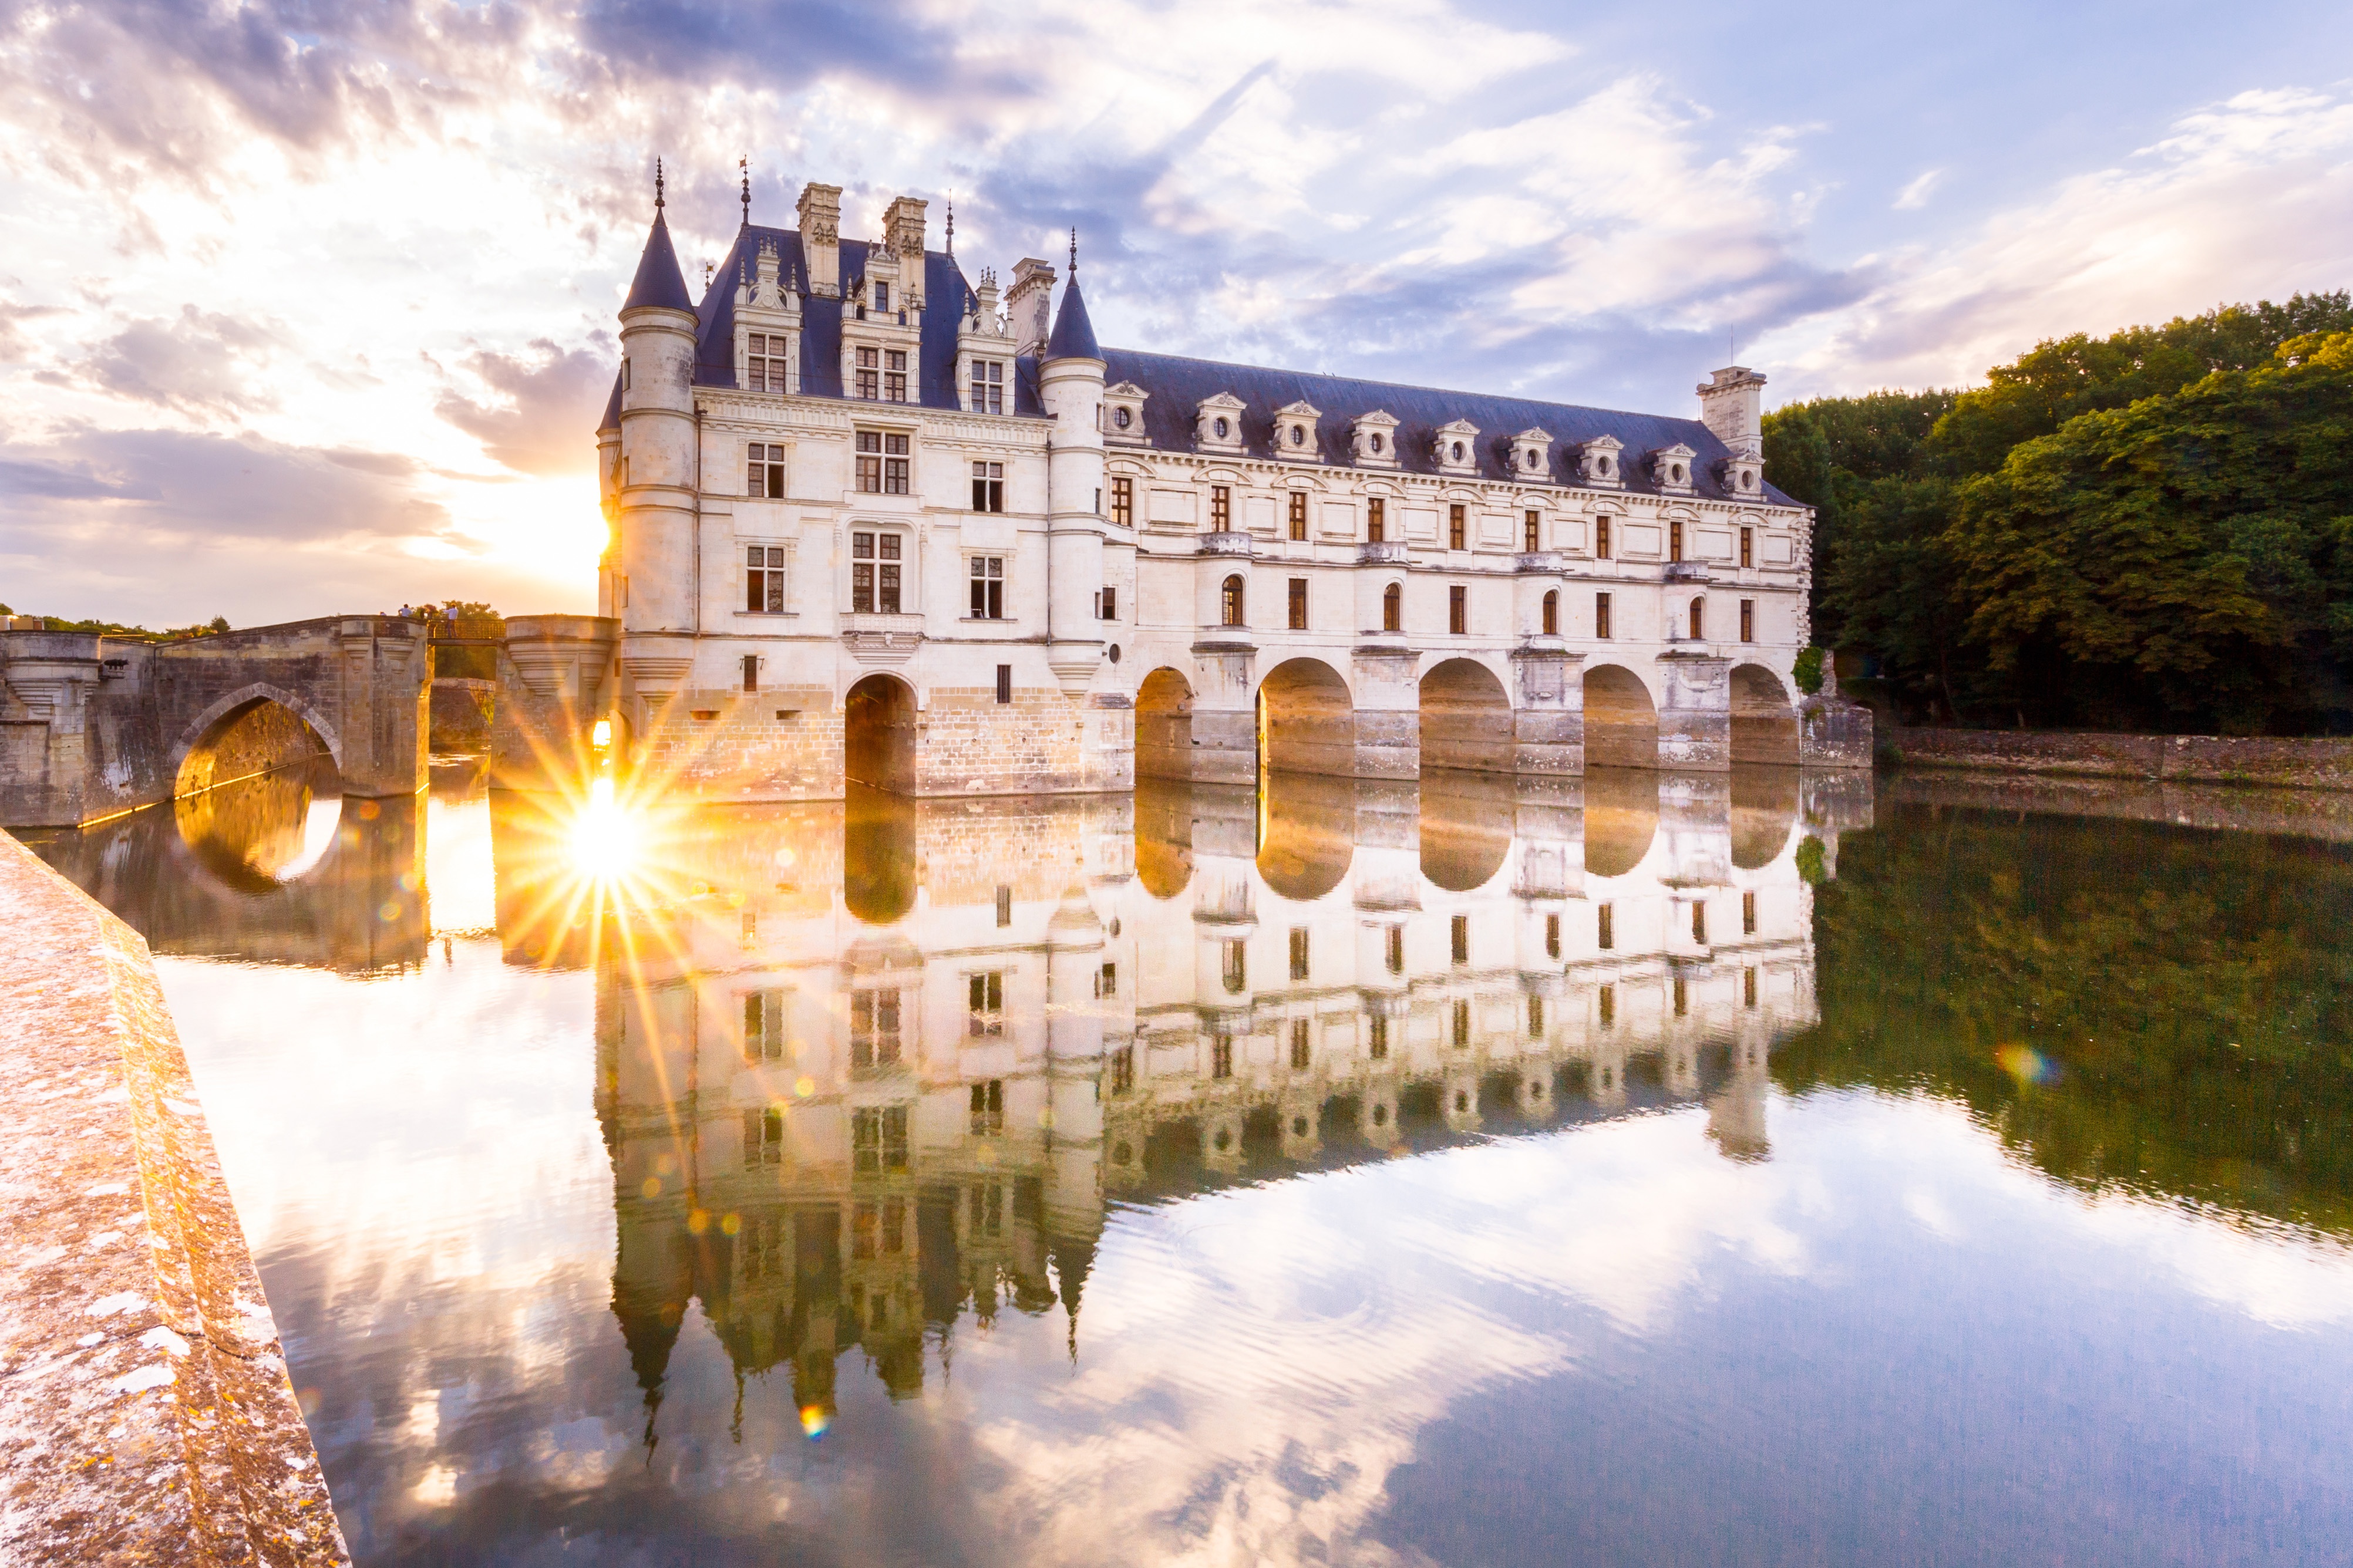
(1677, 1171)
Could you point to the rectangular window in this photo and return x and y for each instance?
(1552, 936)
(1377, 519)
(873, 1029)
(1233, 966)
(1699, 924)
(1683, 997)
(1394, 949)
(1454, 526)
(1461, 1030)
(1299, 603)
(764, 362)
(1123, 1069)
(877, 1139)
(1606, 929)
(1601, 539)
(875, 565)
(764, 580)
(1457, 609)
(1601, 616)
(870, 462)
(869, 375)
(987, 587)
(1122, 501)
(881, 296)
(1535, 1018)
(1221, 1056)
(1748, 988)
(763, 1139)
(987, 386)
(1462, 934)
(1531, 532)
(1748, 547)
(988, 487)
(751, 672)
(894, 375)
(894, 465)
(1302, 1055)
(1003, 906)
(1674, 541)
(764, 1025)
(985, 993)
(1299, 514)
(1377, 1044)
(1749, 913)
(1221, 509)
(1747, 620)
(1107, 981)
(988, 1109)
(764, 471)
(1608, 1000)
(1299, 953)
(1004, 685)
(1111, 604)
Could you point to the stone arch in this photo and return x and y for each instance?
(1305, 845)
(1466, 717)
(1307, 719)
(1621, 720)
(878, 735)
(1163, 726)
(1465, 830)
(236, 734)
(1763, 811)
(1764, 720)
(263, 832)
(1621, 819)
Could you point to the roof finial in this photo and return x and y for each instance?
(658, 185)
(952, 230)
(745, 164)
(1074, 250)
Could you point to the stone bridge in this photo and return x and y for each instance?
(94, 726)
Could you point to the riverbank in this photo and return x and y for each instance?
(145, 1413)
(2307, 764)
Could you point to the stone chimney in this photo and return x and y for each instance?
(1030, 304)
(1732, 405)
(903, 227)
(820, 221)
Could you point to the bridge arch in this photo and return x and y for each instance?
(198, 752)
(1163, 726)
(1764, 719)
(1621, 718)
(1466, 717)
(878, 735)
(1307, 719)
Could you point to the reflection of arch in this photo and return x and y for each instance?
(1621, 818)
(241, 729)
(878, 734)
(1466, 719)
(1163, 838)
(1306, 721)
(264, 831)
(1466, 829)
(1764, 721)
(1309, 839)
(1764, 809)
(1621, 725)
(1163, 726)
(878, 860)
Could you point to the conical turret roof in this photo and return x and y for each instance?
(1074, 335)
(658, 281)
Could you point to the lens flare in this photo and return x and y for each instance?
(814, 1421)
(605, 837)
(2027, 1064)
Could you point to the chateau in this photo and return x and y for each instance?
(874, 522)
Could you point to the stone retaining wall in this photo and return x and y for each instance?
(2201, 759)
(463, 711)
(146, 1413)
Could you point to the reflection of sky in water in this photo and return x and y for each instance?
(1891, 1341)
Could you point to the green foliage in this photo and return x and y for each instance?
(1808, 670)
(2193, 993)
(1809, 860)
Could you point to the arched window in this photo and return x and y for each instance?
(1551, 613)
(1393, 608)
(1698, 618)
(1229, 603)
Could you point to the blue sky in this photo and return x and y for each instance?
(307, 306)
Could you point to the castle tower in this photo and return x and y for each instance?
(1070, 386)
(655, 585)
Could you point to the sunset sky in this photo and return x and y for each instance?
(306, 306)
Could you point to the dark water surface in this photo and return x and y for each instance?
(1660, 1172)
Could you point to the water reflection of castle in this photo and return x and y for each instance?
(850, 1097)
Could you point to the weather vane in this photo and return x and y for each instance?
(745, 164)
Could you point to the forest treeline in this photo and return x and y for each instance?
(2151, 531)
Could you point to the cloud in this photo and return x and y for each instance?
(199, 363)
(1915, 196)
(544, 418)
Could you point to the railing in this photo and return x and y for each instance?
(1240, 544)
(474, 629)
(1382, 553)
(1687, 570)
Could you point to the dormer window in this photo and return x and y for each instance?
(1221, 430)
(1671, 467)
(1121, 419)
(1295, 433)
(1454, 448)
(881, 296)
(1372, 439)
(1375, 441)
(1123, 414)
(1219, 423)
(1744, 476)
(763, 364)
(1597, 464)
(987, 386)
(1531, 454)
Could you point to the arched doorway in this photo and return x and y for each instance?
(1163, 726)
(1466, 719)
(1764, 720)
(878, 721)
(1306, 721)
(1621, 724)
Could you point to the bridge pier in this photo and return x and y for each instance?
(555, 684)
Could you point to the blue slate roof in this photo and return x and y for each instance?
(1073, 336)
(1178, 385)
(658, 281)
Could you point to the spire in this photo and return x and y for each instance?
(744, 164)
(658, 281)
(1074, 253)
(952, 231)
(1073, 336)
